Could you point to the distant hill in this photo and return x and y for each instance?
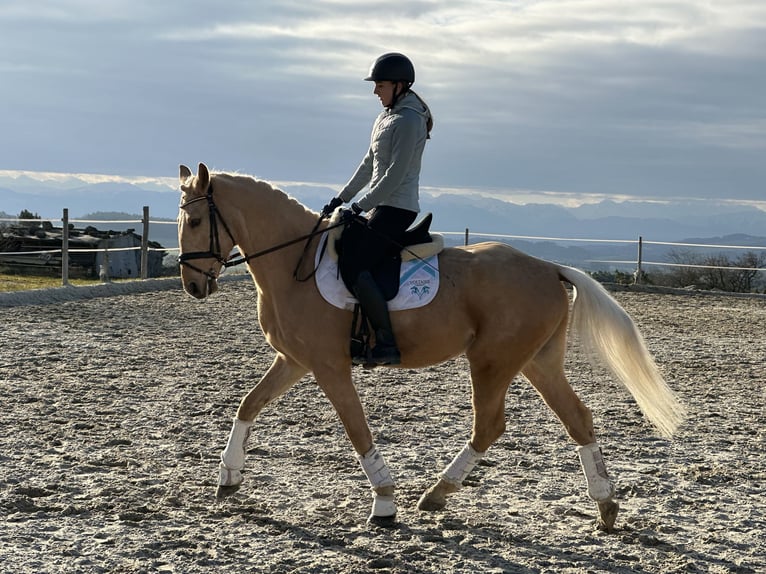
(162, 230)
(707, 222)
(106, 197)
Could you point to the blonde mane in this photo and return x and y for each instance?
(256, 184)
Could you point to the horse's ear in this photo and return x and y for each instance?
(184, 173)
(203, 176)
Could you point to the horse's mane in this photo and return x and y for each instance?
(254, 183)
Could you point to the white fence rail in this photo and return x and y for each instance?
(639, 263)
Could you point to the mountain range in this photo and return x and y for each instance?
(682, 221)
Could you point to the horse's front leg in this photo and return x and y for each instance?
(339, 389)
(282, 375)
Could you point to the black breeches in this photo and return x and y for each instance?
(364, 247)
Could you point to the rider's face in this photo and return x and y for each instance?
(385, 92)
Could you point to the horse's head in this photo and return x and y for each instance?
(204, 238)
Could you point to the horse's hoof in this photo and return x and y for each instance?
(430, 503)
(607, 510)
(223, 490)
(382, 521)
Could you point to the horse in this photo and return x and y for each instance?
(506, 311)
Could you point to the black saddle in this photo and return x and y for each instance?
(419, 233)
(386, 274)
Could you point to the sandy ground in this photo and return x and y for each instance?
(115, 410)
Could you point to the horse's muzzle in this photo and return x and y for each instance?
(202, 288)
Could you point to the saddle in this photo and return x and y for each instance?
(418, 243)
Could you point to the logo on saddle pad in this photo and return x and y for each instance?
(418, 282)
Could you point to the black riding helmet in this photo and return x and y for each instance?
(396, 67)
(392, 67)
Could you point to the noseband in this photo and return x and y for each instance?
(214, 250)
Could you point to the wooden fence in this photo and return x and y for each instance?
(66, 250)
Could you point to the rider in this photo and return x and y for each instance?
(391, 168)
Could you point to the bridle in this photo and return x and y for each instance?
(214, 249)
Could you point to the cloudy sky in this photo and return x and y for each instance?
(647, 98)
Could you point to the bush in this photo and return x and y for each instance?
(710, 272)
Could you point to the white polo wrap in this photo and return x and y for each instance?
(233, 456)
(228, 476)
(375, 467)
(383, 505)
(599, 486)
(462, 465)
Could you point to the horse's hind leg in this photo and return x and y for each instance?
(282, 375)
(546, 373)
(489, 383)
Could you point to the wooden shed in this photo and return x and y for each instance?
(36, 248)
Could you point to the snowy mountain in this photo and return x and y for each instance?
(711, 222)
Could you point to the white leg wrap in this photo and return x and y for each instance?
(233, 456)
(461, 466)
(376, 469)
(383, 505)
(228, 476)
(599, 486)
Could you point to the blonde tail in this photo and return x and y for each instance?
(606, 330)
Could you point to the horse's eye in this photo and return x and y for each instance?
(194, 222)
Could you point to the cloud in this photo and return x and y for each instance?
(578, 96)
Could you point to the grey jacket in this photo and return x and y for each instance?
(392, 164)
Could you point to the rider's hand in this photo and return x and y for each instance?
(349, 215)
(330, 207)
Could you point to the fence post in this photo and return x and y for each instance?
(466, 236)
(145, 245)
(65, 248)
(103, 273)
(639, 271)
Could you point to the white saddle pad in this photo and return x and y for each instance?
(418, 282)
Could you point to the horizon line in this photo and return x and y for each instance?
(567, 199)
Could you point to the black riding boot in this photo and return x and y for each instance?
(375, 307)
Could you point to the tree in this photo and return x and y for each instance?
(684, 276)
(741, 279)
(26, 214)
(717, 271)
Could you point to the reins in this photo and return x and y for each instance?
(214, 250)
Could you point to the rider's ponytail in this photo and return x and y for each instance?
(429, 118)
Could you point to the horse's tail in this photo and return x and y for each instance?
(606, 330)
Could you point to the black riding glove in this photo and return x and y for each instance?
(353, 214)
(330, 207)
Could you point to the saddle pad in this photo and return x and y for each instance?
(418, 282)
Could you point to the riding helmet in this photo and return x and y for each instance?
(392, 67)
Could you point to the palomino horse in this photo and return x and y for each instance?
(506, 311)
